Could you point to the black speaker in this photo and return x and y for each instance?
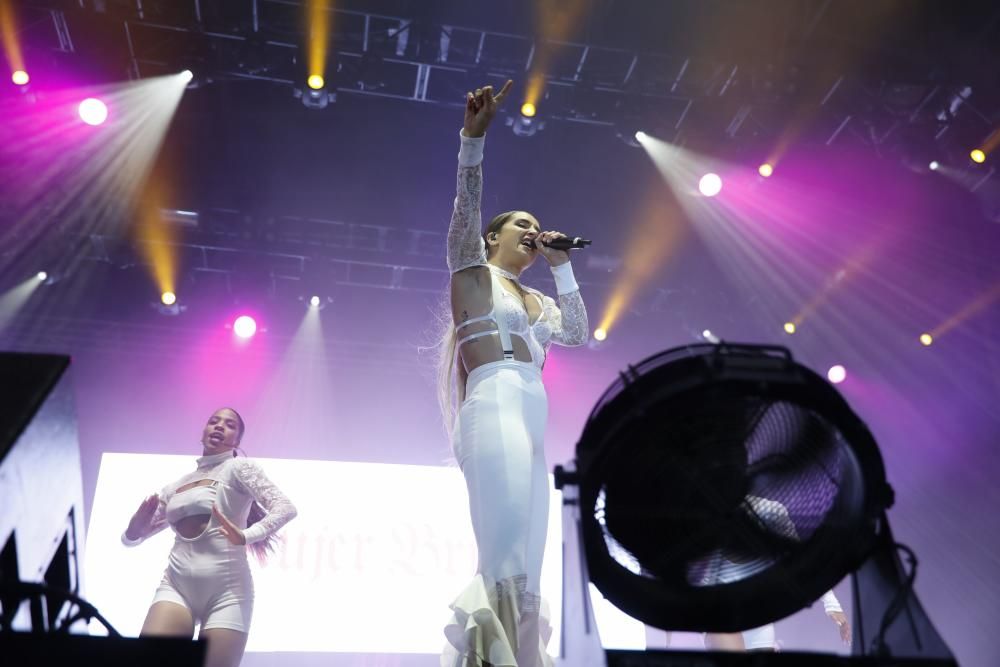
(21, 649)
(41, 490)
(782, 659)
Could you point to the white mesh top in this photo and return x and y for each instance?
(235, 484)
(564, 324)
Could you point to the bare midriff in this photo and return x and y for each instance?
(194, 526)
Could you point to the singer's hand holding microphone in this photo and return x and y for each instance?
(555, 246)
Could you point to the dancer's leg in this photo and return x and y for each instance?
(724, 641)
(225, 647)
(168, 619)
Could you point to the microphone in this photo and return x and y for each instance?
(564, 243)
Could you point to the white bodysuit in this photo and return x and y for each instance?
(208, 574)
(497, 439)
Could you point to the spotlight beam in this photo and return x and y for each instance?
(83, 176)
(14, 299)
(319, 18)
(772, 248)
(653, 238)
(967, 311)
(8, 32)
(556, 23)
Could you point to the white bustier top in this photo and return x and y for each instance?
(563, 323)
(508, 313)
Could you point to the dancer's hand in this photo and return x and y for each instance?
(840, 618)
(141, 522)
(481, 107)
(553, 256)
(228, 528)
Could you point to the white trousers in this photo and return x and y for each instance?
(498, 442)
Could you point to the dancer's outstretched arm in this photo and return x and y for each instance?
(148, 520)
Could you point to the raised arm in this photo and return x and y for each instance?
(277, 505)
(465, 242)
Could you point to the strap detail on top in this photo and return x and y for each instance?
(488, 317)
(482, 318)
(466, 339)
(502, 327)
(503, 330)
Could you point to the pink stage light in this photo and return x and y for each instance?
(93, 111)
(710, 185)
(245, 326)
(836, 374)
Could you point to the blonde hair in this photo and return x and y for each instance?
(451, 373)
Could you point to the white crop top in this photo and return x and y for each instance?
(236, 484)
(563, 324)
(190, 502)
(511, 318)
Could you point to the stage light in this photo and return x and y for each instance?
(836, 374)
(926, 339)
(522, 126)
(640, 136)
(315, 81)
(789, 328)
(978, 156)
(709, 336)
(600, 334)
(528, 110)
(313, 98)
(314, 302)
(710, 185)
(93, 111)
(245, 326)
(765, 170)
(42, 276)
(168, 298)
(934, 165)
(20, 77)
(187, 75)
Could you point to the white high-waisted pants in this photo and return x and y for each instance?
(498, 442)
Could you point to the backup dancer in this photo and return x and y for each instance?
(217, 512)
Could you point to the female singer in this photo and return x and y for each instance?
(493, 360)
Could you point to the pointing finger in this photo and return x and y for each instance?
(499, 97)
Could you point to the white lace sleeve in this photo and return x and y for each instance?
(277, 505)
(157, 524)
(569, 319)
(465, 242)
